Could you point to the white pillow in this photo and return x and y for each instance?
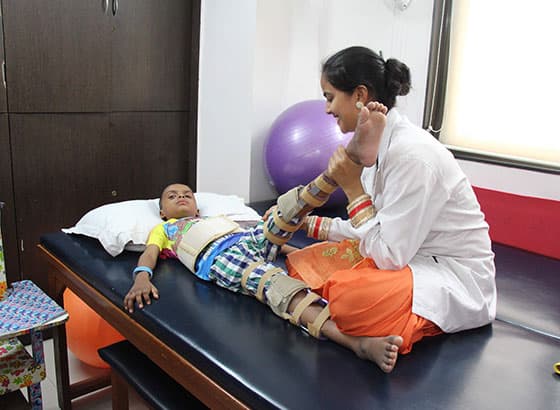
(128, 224)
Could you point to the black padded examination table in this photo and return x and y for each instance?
(230, 351)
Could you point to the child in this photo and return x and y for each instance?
(216, 249)
(223, 256)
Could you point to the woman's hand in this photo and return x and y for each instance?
(140, 292)
(346, 173)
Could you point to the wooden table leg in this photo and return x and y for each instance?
(61, 366)
(119, 391)
(60, 349)
(34, 391)
(66, 391)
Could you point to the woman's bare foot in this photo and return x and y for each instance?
(381, 350)
(364, 145)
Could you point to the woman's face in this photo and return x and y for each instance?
(341, 105)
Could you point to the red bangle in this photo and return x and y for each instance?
(316, 227)
(357, 208)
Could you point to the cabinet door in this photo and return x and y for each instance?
(57, 55)
(153, 54)
(61, 166)
(154, 149)
(3, 106)
(67, 164)
(8, 212)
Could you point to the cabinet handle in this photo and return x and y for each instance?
(104, 6)
(4, 73)
(115, 7)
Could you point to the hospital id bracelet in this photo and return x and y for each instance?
(142, 269)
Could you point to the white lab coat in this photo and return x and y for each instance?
(428, 218)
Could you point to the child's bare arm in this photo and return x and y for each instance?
(142, 287)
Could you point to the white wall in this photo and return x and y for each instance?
(259, 57)
(225, 112)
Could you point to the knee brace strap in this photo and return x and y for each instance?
(280, 293)
(264, 278)
(314, 328)
(245, 275)
(302, 305)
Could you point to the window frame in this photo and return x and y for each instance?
(436, 85)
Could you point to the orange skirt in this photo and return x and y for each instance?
(363, 300)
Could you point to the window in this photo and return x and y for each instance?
(494, 82)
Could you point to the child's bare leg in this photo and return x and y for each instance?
(383, 351)
(364, 145)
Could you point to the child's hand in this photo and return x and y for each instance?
(288, 249)
(140, 292)
(268, 212)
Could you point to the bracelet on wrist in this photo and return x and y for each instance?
(318, 227)
(361, 210)
(139, 269)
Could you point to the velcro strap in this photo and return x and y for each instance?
(311, 200)
(324, 185)
(264, 278)
(288, 202)
(281, 291)
(315, 327)
(283, 225)
(301, 306)
(275, 239)
(245, 276)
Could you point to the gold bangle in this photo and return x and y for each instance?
(363, 216)
(324, 229)
(357, 202)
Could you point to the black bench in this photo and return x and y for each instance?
(267, 363)
(528, 283)
(130, 367)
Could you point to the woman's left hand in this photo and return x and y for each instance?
(346, 173)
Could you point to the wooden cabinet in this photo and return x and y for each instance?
(3, 105)
(74, 56)
(152, 55)
(58, 55)
(101, 107)
(6, 186)
(9, 238)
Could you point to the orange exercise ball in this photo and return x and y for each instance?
(86, 331)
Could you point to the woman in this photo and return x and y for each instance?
(427, 263)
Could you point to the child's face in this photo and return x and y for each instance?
(177, 201)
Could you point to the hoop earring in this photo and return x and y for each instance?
(359, 105)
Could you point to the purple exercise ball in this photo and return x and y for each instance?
(299, 144)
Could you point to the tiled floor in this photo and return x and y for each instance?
(100, 400)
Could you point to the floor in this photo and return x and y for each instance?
(100, 400)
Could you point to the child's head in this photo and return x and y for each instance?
(177, 201)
